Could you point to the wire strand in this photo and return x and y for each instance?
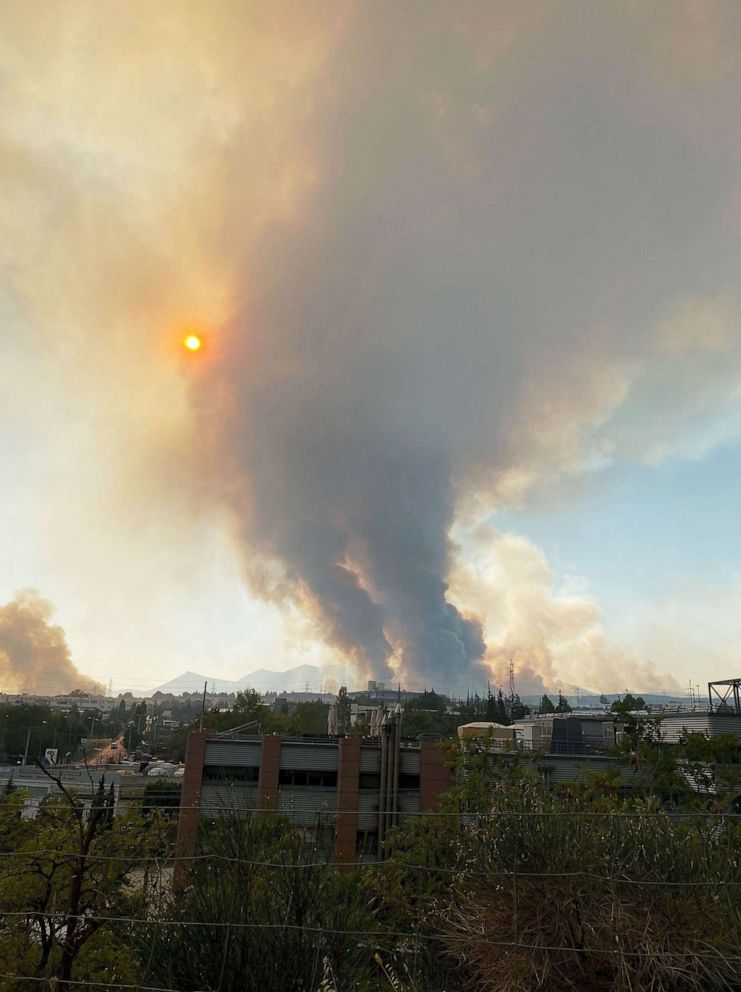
(90, 983)
(404, 866)
(439, 938)
(302, 927)
(209, 809)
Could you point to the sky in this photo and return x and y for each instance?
(469, 395)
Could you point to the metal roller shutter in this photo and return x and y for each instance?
(408, 801)
(370, 759)
(410, 762)
(307, 806)
(310, 757)
(368, 810)
(229, 753)
(219, 799)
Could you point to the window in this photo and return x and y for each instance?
(232, 773)
(366, 843)
(315, 779)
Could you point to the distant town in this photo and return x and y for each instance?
(151, 729)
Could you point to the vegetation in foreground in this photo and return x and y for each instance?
(512, 887)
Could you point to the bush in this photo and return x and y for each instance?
(275, 916)
(579, 890)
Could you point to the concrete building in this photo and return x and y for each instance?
(363, 712)
(709, 722)
(379, 692)
(553, 733)
(64, 703)
(568, 733)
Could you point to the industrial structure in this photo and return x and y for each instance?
(724, 696)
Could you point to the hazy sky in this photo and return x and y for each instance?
(467, 276)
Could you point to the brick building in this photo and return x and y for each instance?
(345, 792)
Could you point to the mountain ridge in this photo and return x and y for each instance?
(261, 679)
(300, 677)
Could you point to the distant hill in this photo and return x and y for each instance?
(299, 679)
(193, 682)
(262, 680)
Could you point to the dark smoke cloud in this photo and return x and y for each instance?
(34, 656)
(500, 212)
(470, 250)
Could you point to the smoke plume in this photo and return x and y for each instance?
(553, 638)
(435, 319)
(34, 656)
(445, 257)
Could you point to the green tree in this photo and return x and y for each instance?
(628, 704)
(248, 704)
(42, 727)
(428, 700)
(546, 705)
(309, 718)
(563, 705)
(517, 709)
(495, 708)
(65, 874)
(277, 919)
(162, 794)
(343, 711)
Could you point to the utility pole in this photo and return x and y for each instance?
(28, 742)
(511, 686)
(203, 705)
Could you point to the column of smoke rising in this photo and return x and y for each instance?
(458, 244)
(34, 656)
(369, 364)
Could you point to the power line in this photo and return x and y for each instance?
(401, 865)
(302, 927)
(207, 811)
(90, 983)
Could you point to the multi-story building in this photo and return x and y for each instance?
(345, 792)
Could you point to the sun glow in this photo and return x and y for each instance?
(193, 342)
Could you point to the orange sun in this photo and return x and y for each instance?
(193, 342)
